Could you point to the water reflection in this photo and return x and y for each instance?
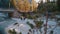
(3, 16)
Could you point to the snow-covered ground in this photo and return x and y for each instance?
(23, 27)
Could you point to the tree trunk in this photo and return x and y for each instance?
(40, 31)
(46, 22)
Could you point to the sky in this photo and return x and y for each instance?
(39, 0)
(43, 0)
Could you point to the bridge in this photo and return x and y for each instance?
(7, 10)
